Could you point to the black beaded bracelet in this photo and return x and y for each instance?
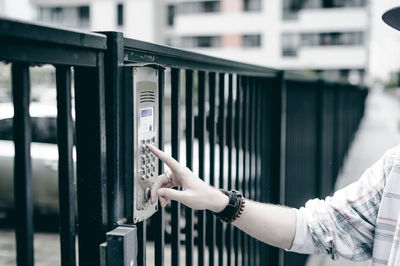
(234, 208)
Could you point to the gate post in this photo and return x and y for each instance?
(122, 246)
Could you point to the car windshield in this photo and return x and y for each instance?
(44, 129)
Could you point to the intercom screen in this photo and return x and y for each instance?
(146, 120)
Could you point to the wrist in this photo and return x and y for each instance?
(218, 201)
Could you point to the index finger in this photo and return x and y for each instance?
(168, 160)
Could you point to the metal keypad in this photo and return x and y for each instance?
(146, 167)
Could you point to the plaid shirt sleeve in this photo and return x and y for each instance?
(342, 225)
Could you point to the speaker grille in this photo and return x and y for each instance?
(147, 97)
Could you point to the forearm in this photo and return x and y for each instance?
(272, 224)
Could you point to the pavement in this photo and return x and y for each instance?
(47, 248)
(378, 132)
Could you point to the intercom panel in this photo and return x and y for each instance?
(145, 128)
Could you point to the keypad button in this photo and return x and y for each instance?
(143, 177)
(148, 141)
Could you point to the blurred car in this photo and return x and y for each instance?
(44, 154)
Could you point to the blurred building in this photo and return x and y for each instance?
(329, 36)
(136, 18)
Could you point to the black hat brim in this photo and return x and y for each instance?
(392, 18)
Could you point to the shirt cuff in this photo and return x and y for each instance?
(302, 242)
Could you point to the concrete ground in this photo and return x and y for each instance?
(379, 131)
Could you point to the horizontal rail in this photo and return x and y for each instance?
(139, 51)
(46, 34)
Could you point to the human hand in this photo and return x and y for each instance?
(195, 192)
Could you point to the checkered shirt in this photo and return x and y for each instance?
(360, 221)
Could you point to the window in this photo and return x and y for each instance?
(332, 38)
(201, 41)
(291, 42)
(343, 3)
(170, 15)
(120, 14)
(198, 7)
(83, 15)
(291, 7)
(70, 16)
(252, 5)
(251, 40)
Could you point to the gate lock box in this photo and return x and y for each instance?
(144, 86)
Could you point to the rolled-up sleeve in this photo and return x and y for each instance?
(342, 225)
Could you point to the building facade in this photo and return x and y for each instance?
(328, 36)
(139, 19)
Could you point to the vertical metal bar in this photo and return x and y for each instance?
(175, 138)
(189, 240)
(265, 148)
(259, 174)
(159, 229)
(91, 160)
(278, 149)
(114, 102)
(250, 177)
(238, 127)
(253, 156)
(257, 134)
(141, 234)
(319, 138)
(210, 217)
(250, 171)
(221, 142)
(229, 142)
(66, 189)
(202, 142)
(245, 126)
(23, 198)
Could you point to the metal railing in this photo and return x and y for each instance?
(279, 137)
(25, 45)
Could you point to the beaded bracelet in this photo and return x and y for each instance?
(233, 209)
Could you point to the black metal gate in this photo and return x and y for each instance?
(278, 136)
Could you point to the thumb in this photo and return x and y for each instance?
(171, 194)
